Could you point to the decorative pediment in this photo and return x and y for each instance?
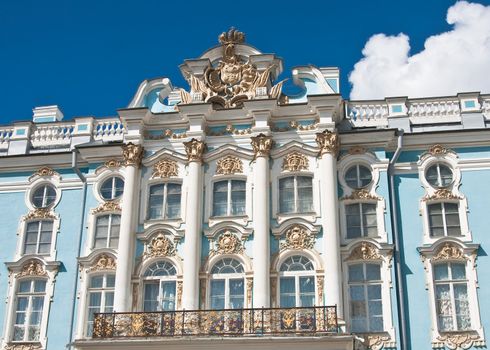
(298, 237)
(103, 262)
(165, 168)
(32, 268)
(442, 193)
(364, 251)
(160, 246)
(232, 80)
(229, 165)
(109, 206)
(227, 243)
(295, 161)
(40, 213)
(449, 251)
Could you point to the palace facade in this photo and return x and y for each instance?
(234, 214)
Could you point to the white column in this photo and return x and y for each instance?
(125, 256)
(261, 260)
(192, 241)
(328, 143)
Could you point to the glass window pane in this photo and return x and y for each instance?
(458, 271)
(155, 210)
(287, 292)
(307, 291)
(236, 293)
(150, 302)
(356, 273)
(110, 281)
(168, 295)
(217, 295)
(286, 195)
(441, 272)
(237, 197)
(305, 194)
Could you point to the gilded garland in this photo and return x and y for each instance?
(45, 171)
(109, 206)
(32, 268)
(449, 252)
(40, 213)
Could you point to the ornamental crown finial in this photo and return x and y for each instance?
(232, 36)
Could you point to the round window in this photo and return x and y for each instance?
(112, 188)
(44, 196)
(358, 176)
(439, 175)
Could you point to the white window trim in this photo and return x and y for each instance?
(296, 275)
(229, 181)
(165, 182)
(103, 291)
(382, 235)
(92, 229)
(226, 277)
(469, 256)
(40, 181)
(51, 270)
(21, 233)
(99, 179)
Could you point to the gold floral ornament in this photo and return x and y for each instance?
(438, 150)
(442, 193)
(261, 145)
(32, 268)
(233, 80)
(160, 246)
(194, 149)
(298, 238)
(104, 262)
(40, 213)
(449, 252)
(112, 163)
(365, 251)
(165, 168)
(229, 165)
(361, 195)
(250, 285)
(328, 142)
(45, 171)
(133, 154)
(295, 161)
(109, 206)
(228, 243)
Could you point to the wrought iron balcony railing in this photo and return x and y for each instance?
(235, 322)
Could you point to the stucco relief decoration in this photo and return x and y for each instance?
(449, 252)
(194, 149)
(250, 285)
(437, 150)
(32, 268)
(109, 206)
(40, 213)
(45, 171)
(365, 251)
(160, 246)
(27, 346)
(228, 243)
(229, 165)
(295, 161)
(180, 286)
(104, 262)
(112, 163)
(233, 80)
(165, 168)
(273, 291)
(319, 288)
(356, 150)
(378, 341)
(328, 142)
(133, 154)
(442, 193)
(361, 195)
(261, 145)
(456, 341)
(298, 238)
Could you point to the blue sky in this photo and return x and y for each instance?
(90, 56)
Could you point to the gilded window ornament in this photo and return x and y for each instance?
(45, 171)
(133, 154)
(109, 206)
(295, 161)
(160, 246)
(228, 243)
(32, 268)
(104, 262)
(364, 251)
(442, 193)
(449, 252)
(261, 145)
(27, 346)
(319, 287)
(298, 238)
(361, 195)
(112, 163)
(463, 340)
(194, 149)
(437, 150)
(328, 142)
(40, 213)
(179, 293)
(250, 284)
(165, 168)
(378, 341)
(229, 165)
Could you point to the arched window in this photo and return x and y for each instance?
(227, 285)
(107, 231)
(29, 310)
(100, 297)
(295, 194)
(164, 201)
(159, 284)
(38, 237)
(297, 282)
(229, 198)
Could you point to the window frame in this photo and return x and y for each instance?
(102, 181)
(295, 175)
(165, 200)
(229, 181)
(103, 290)
(109, 230)
(226, 277)
(44, 205)
(161, 279)
(22, 233)
(38, 236)
(297, 275)
(358, 166)
(361, 219)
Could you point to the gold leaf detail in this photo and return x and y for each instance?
(438, 150)
(261, 145)
(229, 165)
(228, 243)
(194, 149)
(361, 195)
(40, 213)
(295, 161)
(328, 142)
(357, 150)
(449, 252)
(109, 206)
(104, 262)
(160, 246)
(133, 154)
(32, 268)
(364, 251)
(165, 168)
(112, 163)
(179, 294)
(250, 284)
(298, 238)
(441, 194)
(45, 171)
(376, 341)
(319, 288)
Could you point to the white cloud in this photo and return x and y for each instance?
(451, 62)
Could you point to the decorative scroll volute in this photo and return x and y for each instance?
(364, 251)
(449, 252)
(328, 142)
(361, 195)
(229, 165)
(40, 213)
(160, 246)
(133, 154)
(261, 145)
(463, 340)
(298, 238)
(180, 286)
(442, 193)
(109, 206)
(165, 168)
(45, 171)
(32, 268)
(228, 243)
(104, 262)
(295, 161)
(194, 149)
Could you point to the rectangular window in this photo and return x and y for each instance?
(29, 310)
(100, 297)
(361, 220)
(295, 194)
(164, 201)
(229, 198)
(38, 237)
(444, 219)
(107, 231)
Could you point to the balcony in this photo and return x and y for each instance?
(320, 320)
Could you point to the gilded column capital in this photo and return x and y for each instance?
(132, 154)
(194, 149)
(328, 142)
(261, 145)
